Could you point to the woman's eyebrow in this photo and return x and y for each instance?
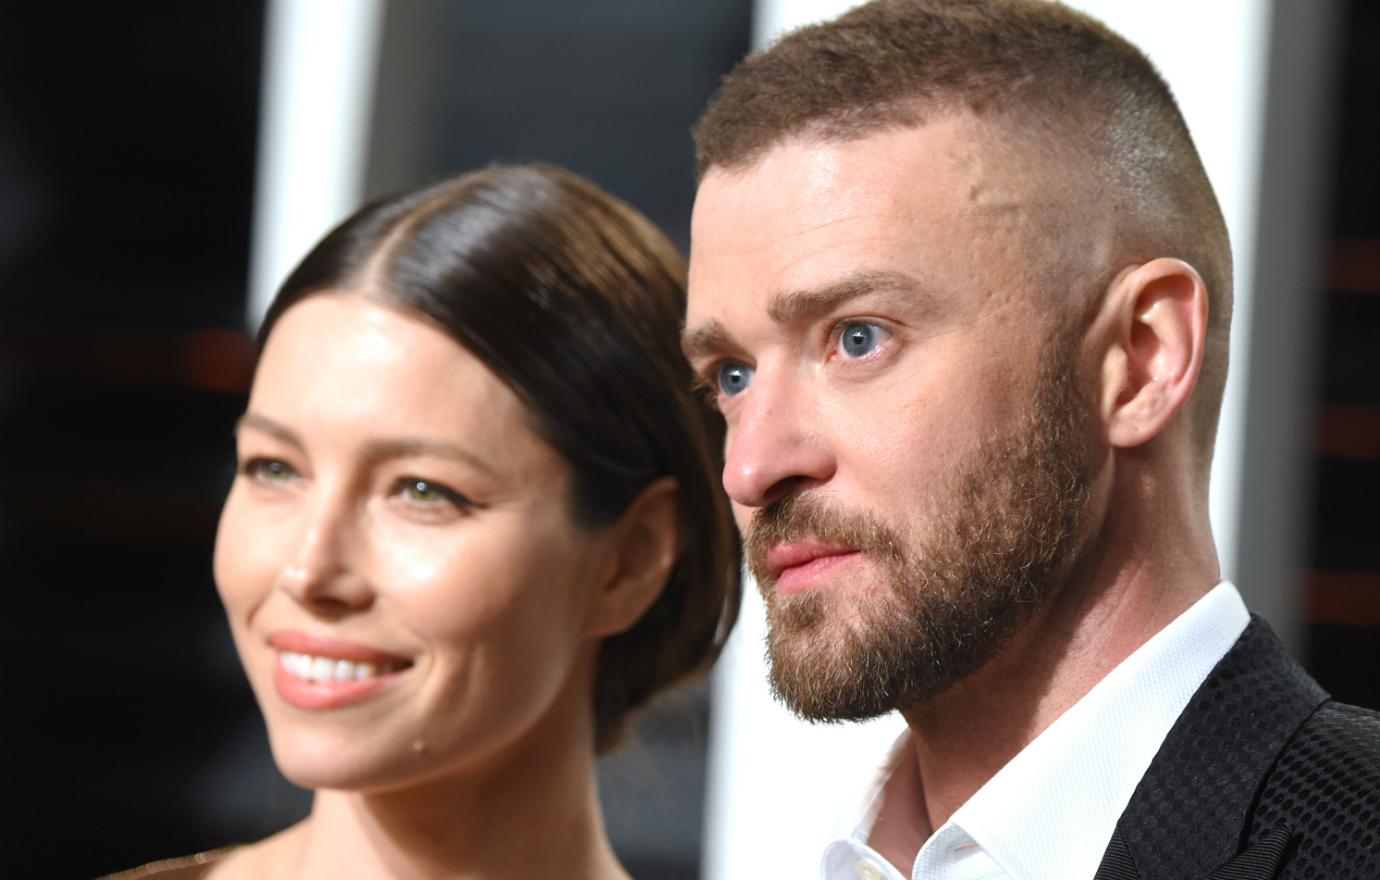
(401, 447)
(264, 425)
(380, 448)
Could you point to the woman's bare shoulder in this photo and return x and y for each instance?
(268, 858)
(253, 860)
(184, 868)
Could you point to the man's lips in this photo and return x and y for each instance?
(798, 565)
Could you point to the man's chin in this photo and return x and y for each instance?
(819, 704)
(833, 661)
(823, 613)
(818, 666)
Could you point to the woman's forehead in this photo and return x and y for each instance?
(346, 367)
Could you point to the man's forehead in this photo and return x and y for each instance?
(950, 138)
(956, 166)
(806, 175)
(954, 195)
(765, 218)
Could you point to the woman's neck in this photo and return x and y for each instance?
(538, 822)
(532, 811)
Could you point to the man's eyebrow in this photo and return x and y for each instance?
(711, 336)
(785, 308)
(383, 448)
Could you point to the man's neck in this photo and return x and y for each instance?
(960, 739)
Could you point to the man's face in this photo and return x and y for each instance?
(905, 448)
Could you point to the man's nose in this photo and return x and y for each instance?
(773, 449)
(322, 574)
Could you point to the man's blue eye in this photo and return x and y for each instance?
(734, 379)
(860, 339)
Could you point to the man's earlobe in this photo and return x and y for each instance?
(1160, 318)
(646, 543)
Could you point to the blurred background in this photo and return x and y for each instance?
(161, 166)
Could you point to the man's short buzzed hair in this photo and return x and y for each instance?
(1054, 79)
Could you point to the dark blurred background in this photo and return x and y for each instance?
(128, 138)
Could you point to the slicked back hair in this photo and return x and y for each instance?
(574, 300)
(1057, 84)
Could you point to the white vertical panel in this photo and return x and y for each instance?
(777, 785)
(320, 58)
(771, 18)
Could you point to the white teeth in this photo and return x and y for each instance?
(298, 664)
(323, 669)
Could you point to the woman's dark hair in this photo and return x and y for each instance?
(574, 300)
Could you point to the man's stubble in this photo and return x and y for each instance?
(1002, 532)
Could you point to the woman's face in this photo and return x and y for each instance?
(406, 589)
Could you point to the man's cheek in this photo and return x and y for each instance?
(742, 515)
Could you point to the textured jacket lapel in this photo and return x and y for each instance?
(1259, 861)
(1117, 863)
(1188, 816)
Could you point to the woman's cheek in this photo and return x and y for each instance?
(241, 560)
(443, 582)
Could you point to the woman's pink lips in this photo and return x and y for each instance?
(798, 566)
(310, 694)
(331, 646)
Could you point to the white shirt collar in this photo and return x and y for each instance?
(1048, 814)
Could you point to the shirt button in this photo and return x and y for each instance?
(866, 870)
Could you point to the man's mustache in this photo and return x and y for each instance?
(804, 517)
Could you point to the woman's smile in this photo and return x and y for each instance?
(475, 526)
(325, 672)
(398, 538)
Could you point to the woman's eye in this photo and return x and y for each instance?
(268, 470)
(860, 338)
(422, 492)
(734, 379)
(427, 494)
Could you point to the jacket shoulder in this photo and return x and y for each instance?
(1325, 788)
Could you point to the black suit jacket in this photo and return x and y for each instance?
(1263, 777)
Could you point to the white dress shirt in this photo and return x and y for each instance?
(1050, 812)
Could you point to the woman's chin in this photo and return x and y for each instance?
(316, 762)
(313, 760)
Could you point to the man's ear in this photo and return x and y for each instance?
(1158, 322)
(644, 546)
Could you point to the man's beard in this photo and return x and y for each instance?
(1001, 538)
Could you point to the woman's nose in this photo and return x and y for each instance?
(322, 573)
